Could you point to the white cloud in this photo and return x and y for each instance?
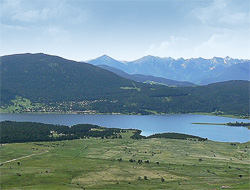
(26, 11)
(54, 31)
(57, 34)
(228, 43)
(37, 13)
(169, 47)
(227, 23)
(8, 7)
(13, 11)
(221, 13)
(235, 19)
(222, 45)
(214, 46)
(28, 16)
(12, 27)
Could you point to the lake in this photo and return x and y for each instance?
(149, 124)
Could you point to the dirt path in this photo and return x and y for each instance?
(24, 157)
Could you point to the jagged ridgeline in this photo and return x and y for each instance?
(45, 83)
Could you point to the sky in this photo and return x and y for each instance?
(126, 30)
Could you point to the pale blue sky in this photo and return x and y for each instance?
(126, 30)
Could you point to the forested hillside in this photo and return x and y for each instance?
(44, 83)
(45, 78)
(12, 132)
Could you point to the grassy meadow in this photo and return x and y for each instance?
(96, 163)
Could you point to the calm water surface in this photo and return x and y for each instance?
(150, 124)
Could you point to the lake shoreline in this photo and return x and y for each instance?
(149, 124)
(195, 113)
(209, 124)
(225, 124)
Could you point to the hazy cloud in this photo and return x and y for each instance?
(223, 12)
(169, 47)
(227, 44)
(126, 29)
(235, 19)
(11, 27)
(13, 11)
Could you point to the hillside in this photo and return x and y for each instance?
(146, 78)
(42, 78)
(45, 83)
(239, 71)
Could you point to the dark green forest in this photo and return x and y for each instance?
(16, 132)
(176, 136)
(240, 124)
(61, 85)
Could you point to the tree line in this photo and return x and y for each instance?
(238, 124)
(16, 132)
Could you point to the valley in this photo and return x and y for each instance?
(125, 163)
(124, 95)
(40, 83)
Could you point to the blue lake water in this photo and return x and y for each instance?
(150, 124)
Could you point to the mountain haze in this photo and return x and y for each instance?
(195, 70)
(238, 71)
(106, 59)
(146, 78)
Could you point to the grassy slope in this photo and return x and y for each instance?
(93, 164)
(18, 104)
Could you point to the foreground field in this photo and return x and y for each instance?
(113, 164)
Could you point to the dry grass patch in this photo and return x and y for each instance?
(115, 174)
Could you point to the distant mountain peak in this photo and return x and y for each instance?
(105, 57)
(105, 60)
(148, 58)
(228, 58)
(181, 58)
(168, 58)
(217, 58)
(193, 70)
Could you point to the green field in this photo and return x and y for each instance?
(104, 164)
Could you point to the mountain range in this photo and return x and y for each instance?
(49, 83)
(147, 78)
(194, 70)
